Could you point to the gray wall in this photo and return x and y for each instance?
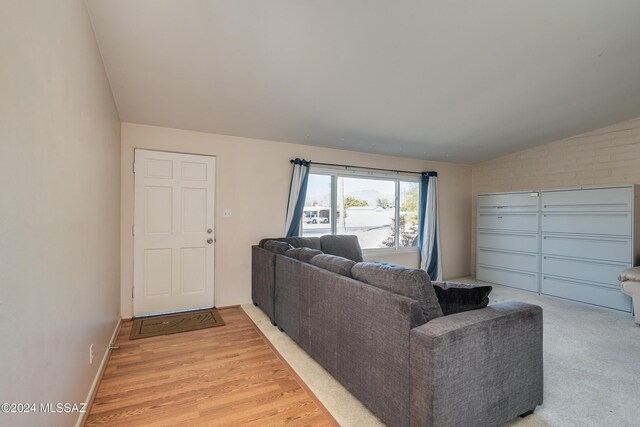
(59, 206)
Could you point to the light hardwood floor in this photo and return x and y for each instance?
(228, 375)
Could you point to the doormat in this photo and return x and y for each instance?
(165, 324)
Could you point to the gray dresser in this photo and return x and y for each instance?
(508, 239)
(568, 243)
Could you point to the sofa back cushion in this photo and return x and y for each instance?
(296, 242)
(277, 247)
(333, 263)
(343, 245)
(302, 254)
(409, 282)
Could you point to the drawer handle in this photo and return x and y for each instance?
(494, 233)
(599, 215)
(510, 252)
(524, 273)
(510, 214)
(580, 261)
(597, 285)
(586, 239)
(579, 205)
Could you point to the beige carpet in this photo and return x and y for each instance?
(591, 356)
(346, 409)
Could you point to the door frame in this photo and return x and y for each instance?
(133, 224)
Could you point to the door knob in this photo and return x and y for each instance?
(209, 230)
(209, 241)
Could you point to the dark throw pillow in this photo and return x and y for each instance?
(277, 247)
(459, 297)
(303, 254)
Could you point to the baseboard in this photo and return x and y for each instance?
(98, 377)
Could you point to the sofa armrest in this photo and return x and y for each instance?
(481, 367)
(263, 280)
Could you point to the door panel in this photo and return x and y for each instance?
(157, 168)
(194, 171)
(173, 232)
(157, 272)
(194, 269)
(194, 210)
(158, 210)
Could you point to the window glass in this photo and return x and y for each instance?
(316, 220)
(366, 208)
(408, 222)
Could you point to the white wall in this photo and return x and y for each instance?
(253, 179)
(59, 206)
(606, 156)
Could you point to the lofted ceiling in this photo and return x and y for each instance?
(459, 81)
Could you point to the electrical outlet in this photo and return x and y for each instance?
(91, 354)
(226, 213)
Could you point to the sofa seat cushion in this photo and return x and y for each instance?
(343, 245)
(303, 254)
(408, 282)
(277, 247)
(458, 297)
(333, 263)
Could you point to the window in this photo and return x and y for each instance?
(318, 215)
(381, 210)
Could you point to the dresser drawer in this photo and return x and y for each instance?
(513, 202)
(604, 296)
(509, 221)
(508, 241)
(605, 223)
(515, 279)
(603, 248)
(589, 200)
(509, 260)
(581, 269)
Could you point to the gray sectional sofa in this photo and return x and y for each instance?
(379, 330)
(263, 263)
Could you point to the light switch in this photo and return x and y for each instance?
(226, 213)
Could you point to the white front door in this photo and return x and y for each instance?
(173, 232)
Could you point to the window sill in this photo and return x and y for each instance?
(390, 251)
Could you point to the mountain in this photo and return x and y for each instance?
(320, 199)
(371, 196)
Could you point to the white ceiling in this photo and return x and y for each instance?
(461, 81)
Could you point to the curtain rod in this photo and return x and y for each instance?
(362, 167)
